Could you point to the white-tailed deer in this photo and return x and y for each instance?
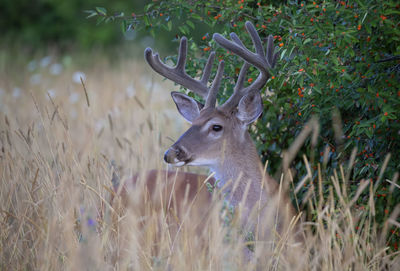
(218, 137)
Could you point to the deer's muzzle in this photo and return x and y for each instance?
(176, 156)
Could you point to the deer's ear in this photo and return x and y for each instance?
(250, 107)
(188, 107)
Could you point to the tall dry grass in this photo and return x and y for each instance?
(56, 212)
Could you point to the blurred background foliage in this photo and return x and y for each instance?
(39, 23)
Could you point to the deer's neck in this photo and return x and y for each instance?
(241, 170)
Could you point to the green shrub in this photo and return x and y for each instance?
(339, 59)
(53, 22)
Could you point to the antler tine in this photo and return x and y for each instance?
(262, 61)
(242, 76)
(182, 53)
(271, 56)
(212, 94)
(178, 74)
(255, 38)
(207, 69)
(236, 39)
(257, 59)
(237, 91)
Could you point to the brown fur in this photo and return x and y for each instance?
(180, 195)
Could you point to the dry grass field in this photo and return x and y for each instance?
(59, 147)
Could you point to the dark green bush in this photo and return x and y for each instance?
(43, 22)
(338, 59)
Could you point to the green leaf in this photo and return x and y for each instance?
(146, 20)
(169, 25)
(368, 132)
(361, 90)
(283, 53)
(190, 23)
(123, 26)
(196, 16)
(92, 13)
(318, 90)
(365, 16)
(100, 20)
(184, 29)
(363, 170)
(347, 76)
(368, 28)
(121, 15)
(148, 7)
(291, 52)
(101, 11)
(307, 41)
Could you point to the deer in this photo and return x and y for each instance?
(219, 139)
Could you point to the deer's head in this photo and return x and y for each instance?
(216, 128)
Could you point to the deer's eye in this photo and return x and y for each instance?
(216, 128)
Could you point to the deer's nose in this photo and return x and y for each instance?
(172, 155)
(177, 152)
(166, 159)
